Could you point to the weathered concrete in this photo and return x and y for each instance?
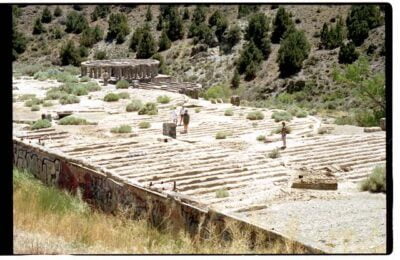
(235, 100)
(169, 129)
(383, 124)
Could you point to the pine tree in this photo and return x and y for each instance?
(38, 27)
(147, 44)
(175, 29)
(186, 14)
(69, 54)
(46, 16)
(293, 51)
(136, 37)
(257, 31)
(348, 53)
(281, 23)
(75, 23)
(324, 35)
(164, 42)
(57, 11)
(149, 15)
(117, 27)
(250, 53)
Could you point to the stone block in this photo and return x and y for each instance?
(235, 100)
(383, 124)
(169, 129)
(372, 129)
(316, 180)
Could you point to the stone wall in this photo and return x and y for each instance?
(109, 193)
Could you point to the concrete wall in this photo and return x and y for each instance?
(108, 192)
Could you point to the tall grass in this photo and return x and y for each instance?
(42, 209)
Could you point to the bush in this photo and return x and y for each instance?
(135, 105)
(123, 95)
(376, 182)
(281, 116)
(71, 120)
(144, 125)
(235, 81)
(57, 11)
(261, 138)
(249, 55)
(122, 84)
(293, 51)
(38, 27)
(221, 193)
(85, 79)
(25, 97)
(47, 104)
(100, 55)
(232, 38)
(69, 99)
(256, 115)
(55, 93)
(42, 123)
(282, 23)
(122, 129)
(75, 23)
(162, 67)
(19, 42)
(333, 37)
(257, 32)
(348, 53)
(301, 113)
(274, 154)
(111, 97)
(79, 91)
(222, 134)
(90, 36)
(135, 39)
(117, 27)
(174, 25)
(100, 11)
(164, 42)
(244, 10)
(163, 99)
(219, 91)
(46, 15)
(147, 45)
(228, 112)
(35, 108)
(197, 110)
(32, 102)
(149, 109)
(69, 54)
(323, 130)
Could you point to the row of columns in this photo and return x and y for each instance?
(141, 71)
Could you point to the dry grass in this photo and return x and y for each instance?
(53, 214)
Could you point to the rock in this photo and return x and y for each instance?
(198, 48)
(235, 100)
(372, 129)
(383, 124)
(169, 129)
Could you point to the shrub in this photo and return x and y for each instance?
(221, 193)
(250, 54)
(244, 10)
(323, 130)
(279, 129)
(122, 84)
(111, 97)
(348, 53)
(122, 129)
(301, 113)
(257, 32)
(55, 93)
(71, 120)
(149, 15)
(38, 27)
(255, 115)
(376, 182)
(197, 110)
(147, 45)
(281, 116)
(25, 97)
(69, 54)
(79, 91)
(46, 15)
(100, 11)
(32, 102)
(163, 99)
(19, 42)
(57, 11)
(100, 55)
(117, 27)
(293, 51)
(84, 79)
(144, 125)
(162, 67)
(222, 134)
(282, 23)
(274, 153)
(35, 108)
(69, 99)
(123, 95)
(42, 123)
(47, 104)
(261, 138)
(149, 109)
(333, 37)
(164, 42)
(228, 112)
(135, 39)
(232, 38)
(75, 23)
(235, 81)
(90, 36)
(135, 105)
(219, 91)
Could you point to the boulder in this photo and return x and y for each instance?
(383, 124)
(235, 100)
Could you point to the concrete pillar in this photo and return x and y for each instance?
(383, 124)
(235, 100)
(91, 72)
(169, 129)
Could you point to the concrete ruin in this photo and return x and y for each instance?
(128, 69)
(179, 177)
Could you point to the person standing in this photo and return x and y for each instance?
(174, 117)
(186, 119)
(181, 113)
(283, 133)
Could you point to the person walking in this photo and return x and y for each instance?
(186, 119)
(181, 113)
(283, 133)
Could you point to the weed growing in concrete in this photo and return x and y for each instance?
(122, 129)
(221, 193)
(255, 115)
(144, 125)
(111, 97)
(228, 112)
(274, 154)
(71, 120)
(376, 182)
(39, 124)
(122, 84)
(163, 99)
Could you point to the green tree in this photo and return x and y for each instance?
(244, 10)
(186, 14)
(69, 54)
(46, 16)
(231, 39)
(199, 14)
(136, 37)
(90, 36)
(360, 20)
(149, 15)
(257, 31)
(75, 23)
(333, 37)
(117, 27)
(348, 53)
(100, 11)
(57, 12)
(174, 26)
(281, 24)
(235, 81)
(147, 44)
(164, 43)
(38, 27)
(324, 34)
(162, 67)
(249, 54)
(19, 42)
(293, 51)
(220, 22)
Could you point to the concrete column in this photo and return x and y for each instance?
(91, 72)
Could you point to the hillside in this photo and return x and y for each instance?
(209, 65)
